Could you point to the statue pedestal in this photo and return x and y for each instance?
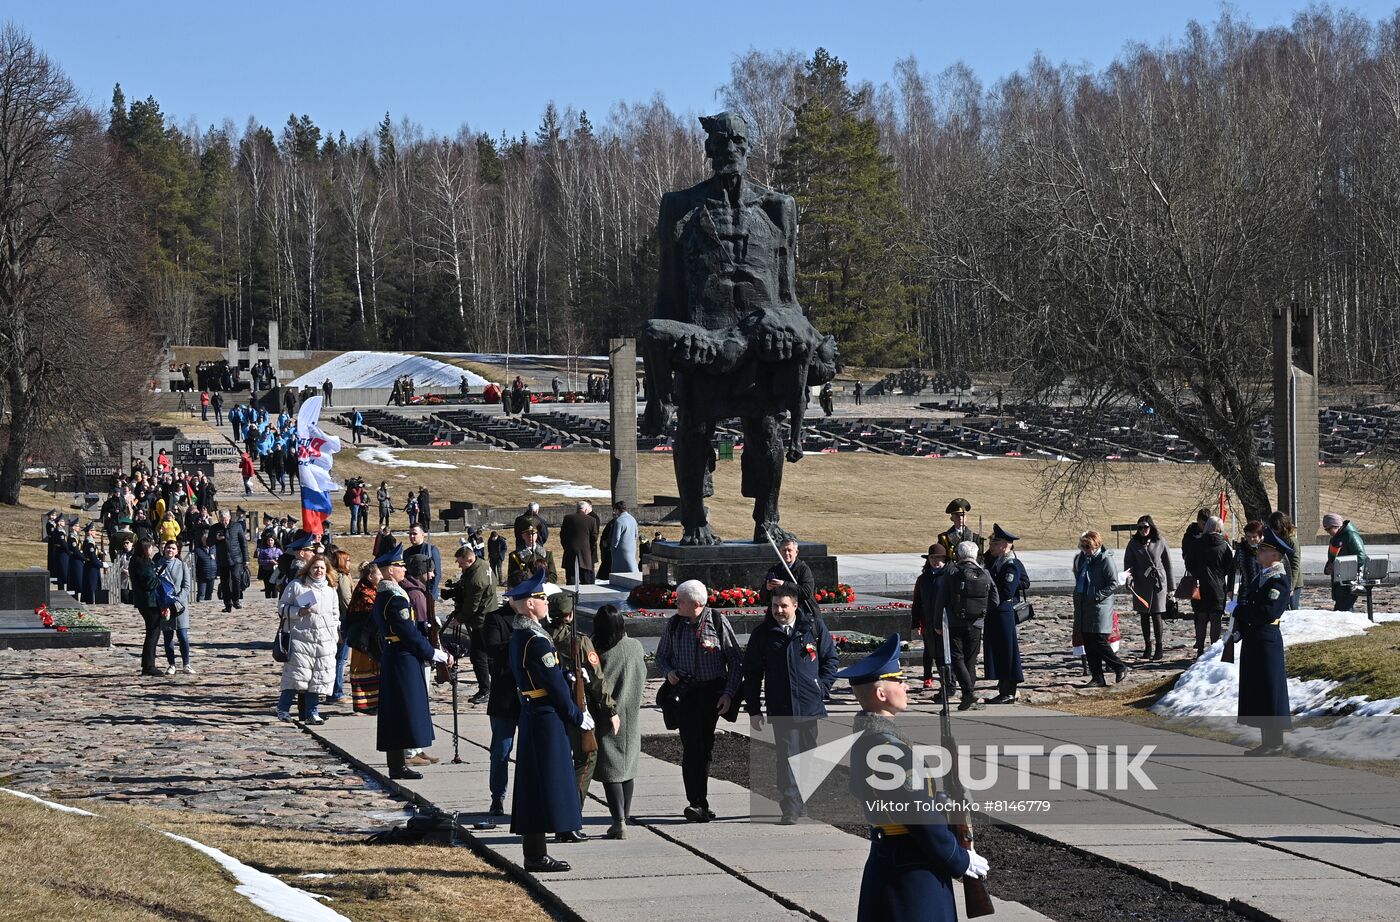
(733, 563)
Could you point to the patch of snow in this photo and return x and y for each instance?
(386, 458)
(315, 876)
(380, 369)
(553, 486)
(62, 808)
(487, 467)
(269, 894)
(1210, 689)
(273, 896)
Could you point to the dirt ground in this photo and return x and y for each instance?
(855, 502)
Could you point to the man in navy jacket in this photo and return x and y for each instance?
(790, 665)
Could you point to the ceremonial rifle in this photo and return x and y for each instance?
(975, 895)
(588, 740)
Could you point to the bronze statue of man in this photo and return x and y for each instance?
(729, 338)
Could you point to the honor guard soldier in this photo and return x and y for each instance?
(92, 567)
(1263, 681)
(403, 718)
(1001, 646)
(960, 531)
(599, 698)
(530, 559)
(912, 864)
(73, 545)
(546, 793)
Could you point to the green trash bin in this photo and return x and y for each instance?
(726, 451)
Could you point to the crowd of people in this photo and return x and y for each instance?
(380, 632)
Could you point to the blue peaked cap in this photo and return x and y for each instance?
(301, 540)
(531, 585)
(882, 663)
(1276, 541)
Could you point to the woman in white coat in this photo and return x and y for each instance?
(310, 611)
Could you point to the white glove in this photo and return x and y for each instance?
(439, 656)
(977, 866)
(583, 670)
(587, 722)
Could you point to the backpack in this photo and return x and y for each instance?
(970, 588)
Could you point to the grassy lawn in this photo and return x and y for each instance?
(855, 502)
(1367, 664)
(58, 866)
(61, 866)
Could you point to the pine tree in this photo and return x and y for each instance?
(116, 116)
(848, 206)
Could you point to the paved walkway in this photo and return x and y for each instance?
(736, 869)
(666, 868)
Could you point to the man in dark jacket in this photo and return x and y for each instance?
(579, 536)
(790, 665)
(474, 594)
(425, 510)
(231, 552)
(418, 545)
(503, 702)
(777, 575)
(1211, 563)
(926, 621)
(965, 595)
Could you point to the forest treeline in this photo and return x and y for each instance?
(934, 208)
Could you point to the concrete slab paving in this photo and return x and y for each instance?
(738, 868)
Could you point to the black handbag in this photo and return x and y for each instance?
(668, 698)
(1025, 611)
(281, 645)
(245, 579)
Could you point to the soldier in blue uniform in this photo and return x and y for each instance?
(546, 792)
(74, 577)
(909, 874)
(58, 546)
(403, 717)
(1263, 681)
(92, 567)
(1001, 647)
(51, 539)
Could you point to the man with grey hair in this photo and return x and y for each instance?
(699, 653)
(965, 596)
(579, 536)
(1211, 563)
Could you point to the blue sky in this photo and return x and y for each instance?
(495, 66)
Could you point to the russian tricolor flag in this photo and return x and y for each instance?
(315, 452)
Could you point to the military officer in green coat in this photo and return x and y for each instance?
(596, 691)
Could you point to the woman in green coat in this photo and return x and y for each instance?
(624, 671)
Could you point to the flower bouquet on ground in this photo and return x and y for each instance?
(841, 594)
